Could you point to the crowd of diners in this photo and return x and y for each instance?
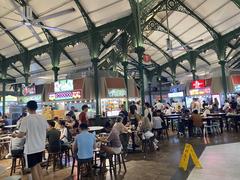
(34, 134)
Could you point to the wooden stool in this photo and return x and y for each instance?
(14, 163)
(84, 163)
(54, 157)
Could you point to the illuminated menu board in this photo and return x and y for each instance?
(63, 85)
(65, 95)
(203, 91)
(117, 93)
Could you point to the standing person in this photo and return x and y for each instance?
(83, 118)
(159, 105)
(72, 112)
(148, 111)
(124, 114)
(215, 105)
(139, 108)
(34, 127)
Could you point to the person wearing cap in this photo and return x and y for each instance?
(83, 115)
(34, 127)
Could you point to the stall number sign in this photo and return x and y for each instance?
(65, 95)
(198, 84)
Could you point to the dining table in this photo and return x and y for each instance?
(216, 117)
(95, 128)
(172, 117)
(235, 118)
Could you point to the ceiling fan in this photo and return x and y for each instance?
(26, 13)
(184, 47)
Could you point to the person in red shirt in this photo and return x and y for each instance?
(83, 115)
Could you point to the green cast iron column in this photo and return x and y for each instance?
(150, 92)
(140, 50)
(96, 85)
(26, 76)
(224, 80)
(55, 71)
(3, 96)
(194, 74)
(125, 64)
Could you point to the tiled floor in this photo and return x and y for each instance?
(162, 164)
(219, 162)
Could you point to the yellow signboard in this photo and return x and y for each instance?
(59, 113)
(188, 151)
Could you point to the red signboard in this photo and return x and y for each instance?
(198, 84)
(235, 79)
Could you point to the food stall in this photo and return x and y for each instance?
(200, 89)
(177, 95)
(114, 93)
(66, 93)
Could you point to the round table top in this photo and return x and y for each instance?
(13, 178)
(95, 128)
(10, 126)
(216, 114)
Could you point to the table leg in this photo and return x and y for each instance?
(236, 124)
(172, 123)
(221, 125)
(133, 141)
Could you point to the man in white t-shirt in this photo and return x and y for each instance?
(34, 127)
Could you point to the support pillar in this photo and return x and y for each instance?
(55, 71)
(140, 51)
(194, 74)
(125, 64)
(96, 86)
(3, 96)
(224, 80)
(26, 76)
(150, 92)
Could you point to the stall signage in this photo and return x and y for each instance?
(10, 98)
(198, 84)
(65, 95)
(25, 99)
(117, 93)
(63, 85)
(176, 94)
(203, 91)
(237, 88)
(29, 90)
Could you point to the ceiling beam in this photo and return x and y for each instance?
(165, 30)
(87, 19)
(167, 56)
(37, 62)
(48, 35)
(16, 69)
(237, 2)
(19, 45)
(232, 48)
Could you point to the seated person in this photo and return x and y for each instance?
(56, 120)
(53, 136)
(84, 144)
(145, 125)
(157, 121)
(16, 146)
(206, 111)
(64, 132)
(197, 119)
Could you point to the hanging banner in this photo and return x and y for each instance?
(25, 99)
(187, 153)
